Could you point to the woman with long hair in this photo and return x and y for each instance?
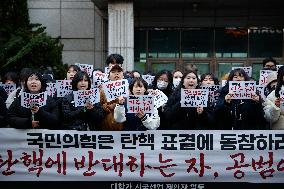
(185, 118)
(273, 112)
(81, 118)
(238, 114)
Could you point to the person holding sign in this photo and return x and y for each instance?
(163, 81)
(24, 74)
(238, 114)
(274, 112)
(45, 117)
(139, 121)
(82, 118)
(71, 72)
(210, 82)
(108, 123)
(185, 118)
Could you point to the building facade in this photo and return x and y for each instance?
(152, 35)
(80, 25)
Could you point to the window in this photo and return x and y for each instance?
(226, 67)
(265, 42)
(158, 66)
(163, 44)
(197, 43)
(202, 67)
(256, 67)
(231, 43)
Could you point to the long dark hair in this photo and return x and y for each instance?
(40, 78)
(79, 76)
(280, 81)
(169, 88)
(233, 73)
(240, 72)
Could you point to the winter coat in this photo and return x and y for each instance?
(109, 123)
(273, 114)
(184, 118)
(238, 114)
(80, 118)
(16, 93)
(3, 113)
(3, 93)
(21, 118)
(134, 123)
(164, 124)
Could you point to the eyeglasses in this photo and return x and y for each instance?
(269, 66)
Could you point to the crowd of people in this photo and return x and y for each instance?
(223, 114)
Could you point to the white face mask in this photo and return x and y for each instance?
(162, 85)
(176, 81)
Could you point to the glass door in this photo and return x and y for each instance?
(226, 67)
(155, 66)
(201, 66)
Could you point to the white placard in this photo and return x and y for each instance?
(51, 89)
(159, 98)
(281, 93)
(99, 78)
(81, 97)
(139, 103)
(88, 68)
(115, 89)
(242, 89)
(8, 87)
(28, 100)
(194, 97)
(213, 92)
(63, 87)
(263, 76)
(148, 78)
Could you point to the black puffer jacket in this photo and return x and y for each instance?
(239, 114)
(21, 118)
(3, 94)
(3, 113)
(80, 118)
(184, 118)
